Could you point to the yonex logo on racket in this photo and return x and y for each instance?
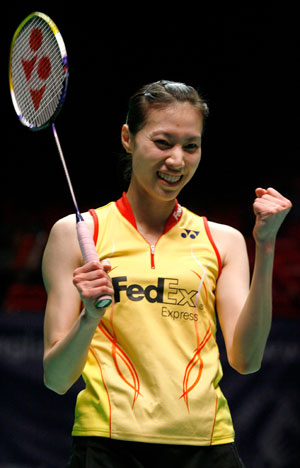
(38, 71)
(36, 68)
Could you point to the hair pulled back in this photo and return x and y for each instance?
(160, 94)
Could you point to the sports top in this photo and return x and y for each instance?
(153, 368)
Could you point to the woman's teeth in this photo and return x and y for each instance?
(169, 178)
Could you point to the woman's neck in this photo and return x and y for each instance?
(150, 215)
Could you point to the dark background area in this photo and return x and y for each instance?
(245, 61)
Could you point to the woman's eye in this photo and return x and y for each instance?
(164, 144)
(191, 147)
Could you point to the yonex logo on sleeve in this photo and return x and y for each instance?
(190, 233)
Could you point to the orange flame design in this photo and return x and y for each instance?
(196, 359)
(193, 362)
(118, 353)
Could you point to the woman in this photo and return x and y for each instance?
(150, 361)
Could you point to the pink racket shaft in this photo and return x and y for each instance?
(89, 254)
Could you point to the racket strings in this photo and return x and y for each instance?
(38, 72)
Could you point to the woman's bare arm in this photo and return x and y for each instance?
(71, 317)
(245, 313)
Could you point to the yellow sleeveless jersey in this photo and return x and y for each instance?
(153, 368)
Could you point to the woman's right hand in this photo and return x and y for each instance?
(92, 281)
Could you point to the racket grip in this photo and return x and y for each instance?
(89, 254)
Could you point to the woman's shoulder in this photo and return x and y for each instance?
(67, 224)
(63, 234)
(227, 238)
(223, 229)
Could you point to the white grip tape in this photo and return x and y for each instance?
(89, 254)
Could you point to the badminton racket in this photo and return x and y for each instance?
(38, 79)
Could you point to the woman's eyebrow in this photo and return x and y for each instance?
(171, 135)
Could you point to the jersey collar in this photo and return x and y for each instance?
(125, 209)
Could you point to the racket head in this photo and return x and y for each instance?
(38, 71)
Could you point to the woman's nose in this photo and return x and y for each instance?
(176, 158)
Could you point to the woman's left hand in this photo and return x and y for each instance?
(270, 209)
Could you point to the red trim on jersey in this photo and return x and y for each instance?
(125, 209)
(96, 224)
(174, 217)
(214, 423)
(213, 244)
(105, 386)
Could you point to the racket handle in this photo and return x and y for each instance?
(89, 254)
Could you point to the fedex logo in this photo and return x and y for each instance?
(165, 291)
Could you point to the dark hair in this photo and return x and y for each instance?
(157, 95)
(160, 94)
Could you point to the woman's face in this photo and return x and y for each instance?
(166, 151)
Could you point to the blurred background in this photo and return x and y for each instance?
(245, 61)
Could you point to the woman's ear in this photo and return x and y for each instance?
(126, 138)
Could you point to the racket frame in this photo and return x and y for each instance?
(64, 58)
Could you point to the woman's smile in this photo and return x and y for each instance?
(170, 179)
